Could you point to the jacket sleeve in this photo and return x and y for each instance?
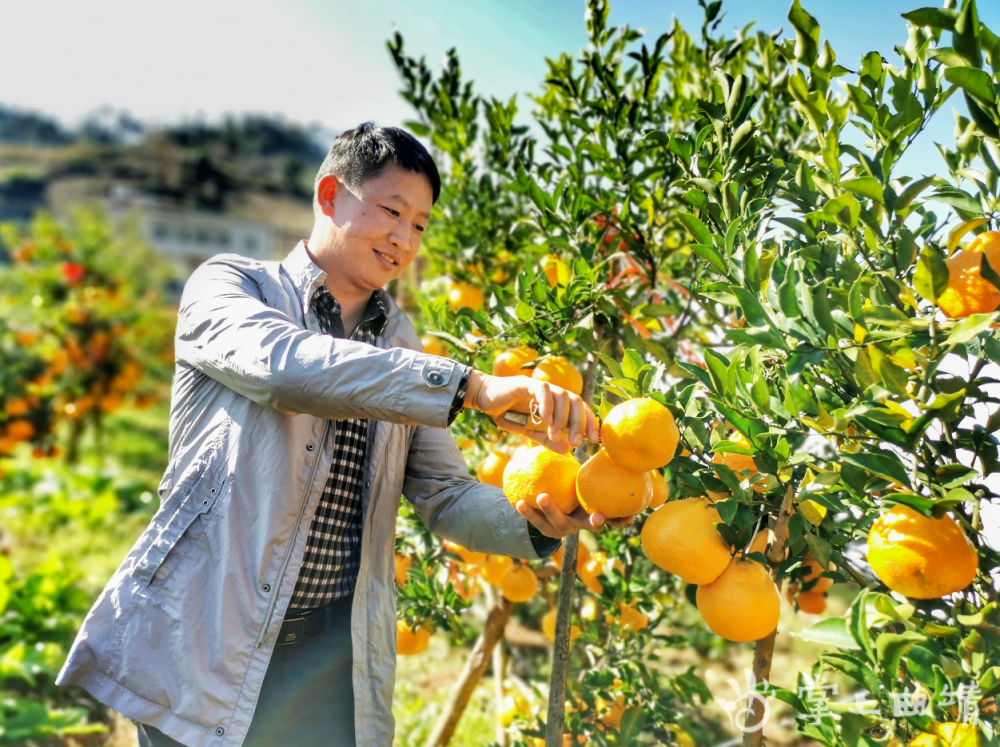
(455, 506)
(226, 331)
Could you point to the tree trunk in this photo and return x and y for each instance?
(753, 729)
(73, 447)
(473, 672)
(556, 718)
(499, 672)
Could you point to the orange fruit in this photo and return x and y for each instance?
(742, 464)
(490, 470)
(661, 493)
(631, 619)
(597, 566)
(403, 563)
(603, 486)
(549, 626)
(742, 604)
(20, 430)
(680, 537)
(557, 370)
(919, 557)
(582, 556)
(968, 292)
(494, 567)
(812, 602)
(537, 470)
(612, 718)
(17, 407)
(759, 542)
(467, 556)
(463, 295)
(434, 346)
(510, 362)
(519, 583)
(640, 434)
(409, 640)
(822, 584)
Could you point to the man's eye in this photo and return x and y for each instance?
(391, 212)
(419, 228)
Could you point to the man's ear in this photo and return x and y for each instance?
(326, 191)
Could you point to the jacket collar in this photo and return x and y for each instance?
(308, 277)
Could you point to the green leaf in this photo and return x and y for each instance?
(727, 509)
(853, 668)
(820, 549)
(864, 187)
(612, 365)
(976, 82)
(894, 377)
(698, 229)
(970, 327)
(711, 256)
(858, 625)
(936, 18)
(632, 723)
(885, 465)
(807, 33)
(830, 632)
(524, 312)
(965, 37)
(909, 194)
(890, 647)
(751, 307)
(931, 276)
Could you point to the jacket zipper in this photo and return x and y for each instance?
(288, 555)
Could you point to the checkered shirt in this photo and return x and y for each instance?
(333, 549)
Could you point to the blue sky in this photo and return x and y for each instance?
(324, 61)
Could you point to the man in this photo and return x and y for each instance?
(258, 608)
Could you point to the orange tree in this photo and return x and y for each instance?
(83, 330)
(693, 220)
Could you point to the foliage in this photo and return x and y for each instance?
(83, 329)
(51, 574)
(724, 242)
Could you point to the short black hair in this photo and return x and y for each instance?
(363, 153)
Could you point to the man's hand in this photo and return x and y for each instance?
(568, 417)
(552, 522)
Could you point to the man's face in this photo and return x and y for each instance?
(376, 230)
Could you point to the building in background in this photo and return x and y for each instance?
(189, 237)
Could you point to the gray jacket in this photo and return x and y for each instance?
(181, 636)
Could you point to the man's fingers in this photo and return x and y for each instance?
(577, 420)
(559, 521)
(537, 518)
(542, 438)
(593, 427)
(560, 414)
(543, 397)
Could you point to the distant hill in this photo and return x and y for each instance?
(255, 167)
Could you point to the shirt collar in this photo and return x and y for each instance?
(308, 278)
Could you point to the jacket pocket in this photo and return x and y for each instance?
(188, 538)
(160, 557)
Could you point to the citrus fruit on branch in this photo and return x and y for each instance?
(605, 487)
(537, 470)
(968, 292)
(681, 538)
(742, 604)
(640, 434)
(920, 557)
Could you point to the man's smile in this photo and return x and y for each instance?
(388, 259)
